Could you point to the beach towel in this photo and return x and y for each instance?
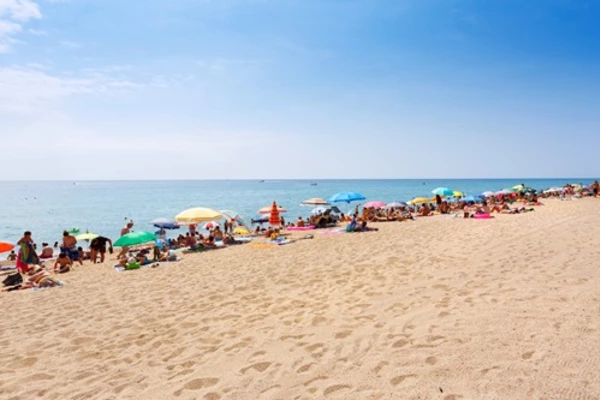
(26, 257)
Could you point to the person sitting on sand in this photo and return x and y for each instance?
(12, 256)
(63, 264)
(142, 257)
(47, 251)
(364, 228)
(209, 241)
(425, 211)
(300, 222)
(69, 247)
(217, 233)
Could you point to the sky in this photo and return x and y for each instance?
(246, 89)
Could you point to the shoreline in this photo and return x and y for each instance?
(438, 308)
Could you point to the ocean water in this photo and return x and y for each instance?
(47, 208)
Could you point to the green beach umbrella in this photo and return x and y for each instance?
(135, 238)
(73, 231)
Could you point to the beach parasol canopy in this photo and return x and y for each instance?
(487, 194)
(267, 210)
(443, 191)
(4, 247)
(474, 199)
(211, 225)
(165, 223)
(196, 215)
(456, 193)
(374, 204)
(263, 218)
(346, 197)
(518, 187)
(505, 191)
(396, 204)
(86, 236)
(135, 238)
(315, 201)
(232, 215)
(420, 200)
(274, 219)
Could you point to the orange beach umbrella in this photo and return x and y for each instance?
(274, 219)
(4, 247)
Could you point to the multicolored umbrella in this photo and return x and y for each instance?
(211, 225)
(346, 197)
(274, 219)
(195, 215)
(135, 238)
(4, 247)
(374, 204)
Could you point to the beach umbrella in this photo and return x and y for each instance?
(165, 223)
(518, 187)
(319, 210)
(487, 194)
(262, 219)
(315, 201)
(195, 215)
(73, 231)
(211, 225)
(443, 191)
(232, 215)
(274, 219)
(346, 197)
(135, 238)
(241, 231)
(374, 204)
(474, 199)
(456, 193)
(419, 200)
(267, 210)
(4, 247)
(396, 204)
(86, 236)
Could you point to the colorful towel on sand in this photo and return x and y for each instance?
(335, 231)
(26, 257)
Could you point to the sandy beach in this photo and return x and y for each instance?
(439, 308)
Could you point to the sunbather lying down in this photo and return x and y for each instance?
(353, 227)
(517, 210)
(38, 278)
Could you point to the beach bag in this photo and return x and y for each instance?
(13, 279)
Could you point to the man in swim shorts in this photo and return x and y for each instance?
(98, 245)
(63, 264)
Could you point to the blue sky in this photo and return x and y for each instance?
(112, 89)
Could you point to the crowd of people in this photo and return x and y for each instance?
(64, 256)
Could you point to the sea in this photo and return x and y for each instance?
(48, 208)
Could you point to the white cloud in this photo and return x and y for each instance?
(25, 90)
(37, 32)
(13, 13)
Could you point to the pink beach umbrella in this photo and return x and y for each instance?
(374, 204)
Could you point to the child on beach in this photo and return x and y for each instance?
(63, 264)
(12, 256)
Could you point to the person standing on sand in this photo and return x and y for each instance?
(127, 228)
(595, 188)
(98, 245)
(27, 255)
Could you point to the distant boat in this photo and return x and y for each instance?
(261, 181)
(313, 184)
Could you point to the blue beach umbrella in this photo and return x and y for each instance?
(165, 223)
(346, 197)
(443, 191)
(474, 199)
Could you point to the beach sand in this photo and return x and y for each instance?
(439, 308)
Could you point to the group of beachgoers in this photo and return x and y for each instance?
(64, 256)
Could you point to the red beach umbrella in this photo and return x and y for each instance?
(274, 219)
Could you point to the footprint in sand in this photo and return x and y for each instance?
(431, 360)
(197, 384)
(260, 367)
(399, 379)
(335, 388)
(527, 355)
